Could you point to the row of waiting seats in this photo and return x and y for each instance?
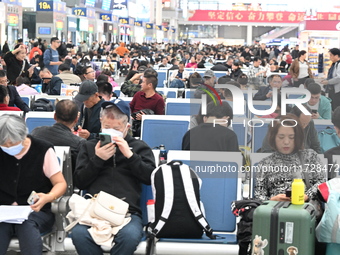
(223, 181)
(170, 129)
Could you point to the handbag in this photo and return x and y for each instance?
(109, 208)
(102, 206)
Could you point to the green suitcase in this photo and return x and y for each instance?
(281, 228)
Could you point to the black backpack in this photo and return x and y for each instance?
(176, 189)
(42, 105)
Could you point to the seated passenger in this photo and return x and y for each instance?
(179, 78)
(20, 175)
(320, 105)
(67, 76)
(60, 134)
(131, 84)
(4, 100)
(119, 169)
(310, 141)
(23, 87)
(275, 81)
(213, 134)
(287, 143)
(105, 90)
(14, 98)
(51, 84)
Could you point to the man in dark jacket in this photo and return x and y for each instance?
(118, 168)
(51, 84)
(89, 122)
(60, 134)
(266, 92)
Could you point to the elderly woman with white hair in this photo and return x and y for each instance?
(27, 164)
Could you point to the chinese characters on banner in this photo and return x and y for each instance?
(257, 16)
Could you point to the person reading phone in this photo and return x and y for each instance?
(118, 168)
(320, 105)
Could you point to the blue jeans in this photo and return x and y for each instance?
(176, 83)
(126, 241)
(28, 232)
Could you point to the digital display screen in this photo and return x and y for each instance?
(90, 3)
(106, 5)
(44, 30)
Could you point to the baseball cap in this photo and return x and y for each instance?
(120, 104)
(209, 74)
(87, 88)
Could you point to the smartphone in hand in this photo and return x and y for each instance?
(32, 198)
(104, 139)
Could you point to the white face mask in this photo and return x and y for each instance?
(113, 132)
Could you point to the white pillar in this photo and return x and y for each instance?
(249, 35)
(158, 12)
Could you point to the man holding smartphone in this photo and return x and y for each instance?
(118, 168)
(320, 105)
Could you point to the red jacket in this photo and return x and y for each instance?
(34, 49)
(5, 107)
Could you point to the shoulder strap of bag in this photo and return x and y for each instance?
(72, 225)
(303, 171)
(192, 201)
(23, 67)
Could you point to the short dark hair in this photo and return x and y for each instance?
(270, 78)
(3, 73)
(308, 81)
(85, 69)
(301, 52)
(314, 88)
(150, 72)
(336, 117)
(54, 39)
(3, 93)
(104, 88)
(256, 59)
(102, 77)
(66, 110)
(335, 51)
(36, 44)
(289, 120)
(181, 63)
(22, 80)
(152, 79)
(243, 79)
(219, 110)
(64, 67)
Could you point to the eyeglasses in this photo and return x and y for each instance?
(57, 41)
(4, 81)
(89, 72)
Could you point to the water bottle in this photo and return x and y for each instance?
(150, 206)
(162, 154)
(298, 192)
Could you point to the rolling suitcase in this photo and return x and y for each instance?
(281, 228)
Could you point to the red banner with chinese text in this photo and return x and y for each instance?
(257, 16)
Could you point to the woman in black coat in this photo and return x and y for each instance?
(17, 64)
